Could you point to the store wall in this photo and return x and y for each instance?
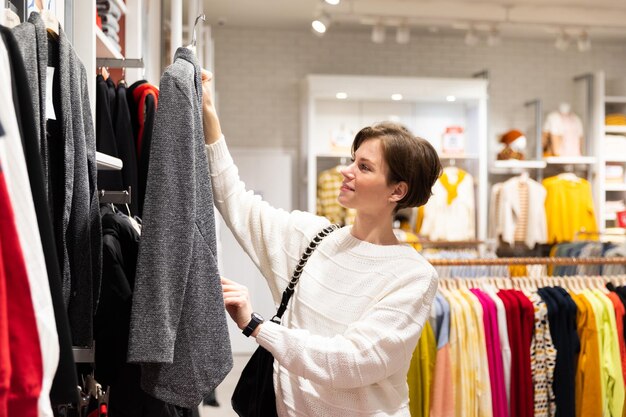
(258, 72)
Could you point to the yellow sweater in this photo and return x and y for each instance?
(569, 208)
(421, 373)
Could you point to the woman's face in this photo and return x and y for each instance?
(365, 185)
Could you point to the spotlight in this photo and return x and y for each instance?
(494, 39)
(333, 2)
(471, 38)
(341, 96)
(403, 34)
(562, 41)
(396, 97)
(451, 98)
(378, 33)
(584, 43)
(320, 24)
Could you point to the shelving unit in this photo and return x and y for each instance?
(423, 109)
(108, 163)
(516, 164)
(105, 47)
(570, 160)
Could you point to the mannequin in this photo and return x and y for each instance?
(562, 133)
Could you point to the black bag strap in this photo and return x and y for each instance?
(298, 271)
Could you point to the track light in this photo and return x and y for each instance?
(562, 41)
(471, 38)
(584, 43)
(378, 33)
(333, 2)
(493, 38)
(403, 34)
(320, 24)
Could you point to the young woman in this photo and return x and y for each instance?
(345, 343)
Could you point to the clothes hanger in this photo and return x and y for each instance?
(192, 46)
(9, 18)
(52, 23)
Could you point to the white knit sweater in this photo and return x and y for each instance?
(346, 340)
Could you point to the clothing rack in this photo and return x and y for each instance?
(528, 261)
(120, 62)
(450, 244)
(115, 197)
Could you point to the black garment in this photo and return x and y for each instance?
(105, 136)
(111, 91)
(126, 146)
(63, 386)
(562, 318)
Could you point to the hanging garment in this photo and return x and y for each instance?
(542, 360)
(62, 391)
(442, 395)
(420, 375)
(505, 347)
(447, 218)
(565, 133)
(26, 369)
(18, 186)
(71, 162)
(106, 142)
(5, 347)
(126, 145)
(178, 325)
(619, 321)
(569, 207)
(512, 214)
(142, 101)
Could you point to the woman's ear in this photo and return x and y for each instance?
(399, 192)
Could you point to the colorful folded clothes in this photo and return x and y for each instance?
(106, 6)
(615, 119)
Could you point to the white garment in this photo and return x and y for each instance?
(503, 332)
(18, 186)
(350, 330)
(569, 127)
(509, 212)
(454, 221)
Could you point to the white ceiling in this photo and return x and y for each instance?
(602, 19)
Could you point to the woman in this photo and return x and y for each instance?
(346, 340)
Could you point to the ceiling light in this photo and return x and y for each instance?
(341, 96)
(494, 39)
(333, 2)
(584, 43)
(396, 97)
(378, 33)
(450, 98)
(320, 24)
(562, 41)
(403, 34)
(471, 38)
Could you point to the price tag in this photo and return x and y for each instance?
(50, 114)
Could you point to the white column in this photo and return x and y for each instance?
(176, 25)
(85, 43)
(152, 49)
(134, 36)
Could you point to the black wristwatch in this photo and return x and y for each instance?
(255, 320)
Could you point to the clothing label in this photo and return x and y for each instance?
(50, 114)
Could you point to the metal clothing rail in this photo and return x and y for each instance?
(120, 63)
(528, 261)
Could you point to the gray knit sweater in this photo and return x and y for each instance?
(178, 324)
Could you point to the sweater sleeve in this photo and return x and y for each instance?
(273, 238)
(378, 345)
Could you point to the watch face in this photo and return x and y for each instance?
(257, 317)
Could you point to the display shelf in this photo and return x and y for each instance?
(108, 163)
(570, 160)
(610, 217)
(614, 129)
(615, 159)
(615, 99)
(615, 187)
(516, 164)
(105, 47)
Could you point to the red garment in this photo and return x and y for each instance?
(511, 305)
(25, 351)
(5, 358)
(619, 320)
(139, 94)
(527, 325)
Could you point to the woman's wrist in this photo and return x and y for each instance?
(211, 125)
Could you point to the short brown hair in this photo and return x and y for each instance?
(409, 158)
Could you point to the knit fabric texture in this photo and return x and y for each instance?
(178, 323)
(345, 343)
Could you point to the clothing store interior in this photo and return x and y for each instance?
(110, 306)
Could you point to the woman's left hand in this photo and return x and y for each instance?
(237, 302)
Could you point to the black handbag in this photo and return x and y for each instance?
(254, 394)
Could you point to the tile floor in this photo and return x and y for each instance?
(225, 390)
